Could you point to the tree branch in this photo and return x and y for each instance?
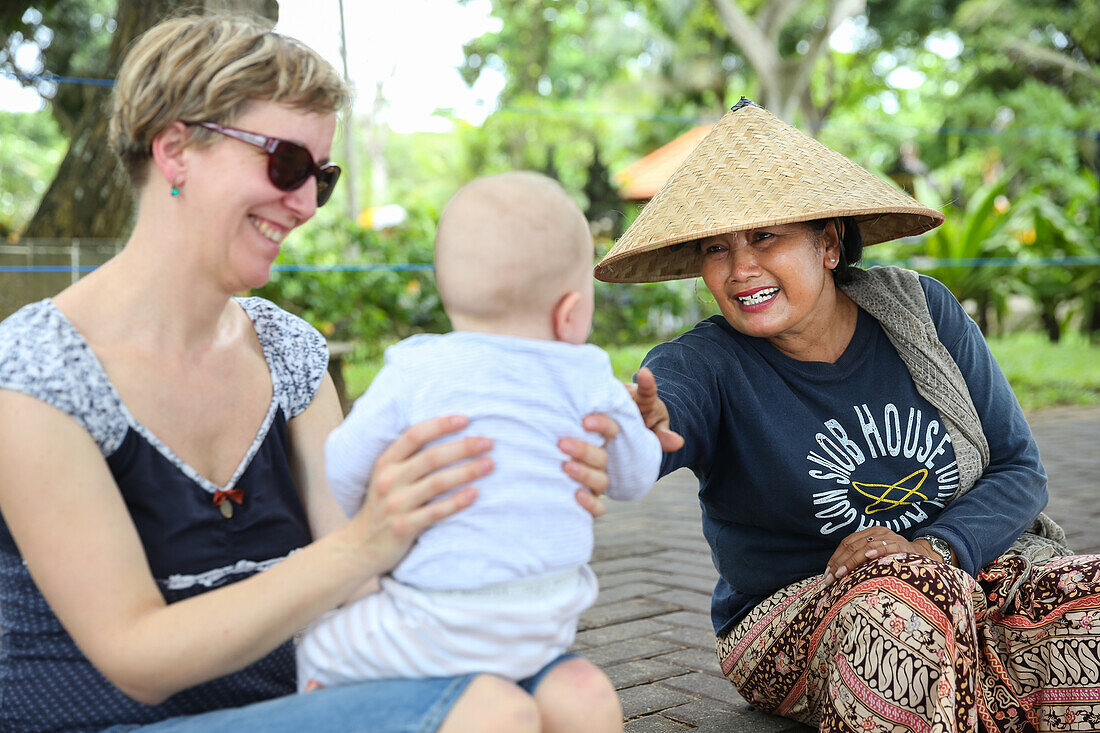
(1029, 52)
(762, 55)
(775, 15)
(838, 13)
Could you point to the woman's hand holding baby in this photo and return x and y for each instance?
(589, 462)
(406, 485)
(408, 481)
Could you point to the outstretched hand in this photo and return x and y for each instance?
(654, 411)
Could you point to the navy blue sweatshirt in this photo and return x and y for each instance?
(793, 456)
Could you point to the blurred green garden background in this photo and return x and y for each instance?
(986, 109)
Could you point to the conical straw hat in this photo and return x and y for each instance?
(755, 170)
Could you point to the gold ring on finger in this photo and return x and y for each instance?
(884, 543)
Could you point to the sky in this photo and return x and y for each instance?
(411, 47)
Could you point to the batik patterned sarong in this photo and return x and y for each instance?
(905, 643)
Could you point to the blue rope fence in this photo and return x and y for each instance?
(918, 263)
(55, 79)
(412, 267)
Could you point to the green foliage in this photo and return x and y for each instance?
(1044, 374)
(1042, 135)
(1029, 226)
(548, 49)
(625, 360)
(648, 313)
(969, 233)
(1062, 294)
(907, 22)
(1027, 100)
(71, 37)
(11, 14)
(1050, 40)
(672, 52)
(32, 151)
(427, 168)
(359, 374)
(584, 76)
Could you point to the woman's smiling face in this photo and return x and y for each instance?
(774, 282)
(241, 214)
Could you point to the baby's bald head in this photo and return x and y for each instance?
(508, 247)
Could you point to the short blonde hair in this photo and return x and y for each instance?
(196, 68)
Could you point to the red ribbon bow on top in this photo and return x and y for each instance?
(234, 495)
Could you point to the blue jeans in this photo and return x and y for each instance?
(379, 706)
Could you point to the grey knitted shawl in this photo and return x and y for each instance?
(895, 298)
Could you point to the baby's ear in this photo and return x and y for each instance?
(567, 320)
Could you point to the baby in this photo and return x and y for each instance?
(497, 588)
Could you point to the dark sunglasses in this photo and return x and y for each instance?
(289, 165)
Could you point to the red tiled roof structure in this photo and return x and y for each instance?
(640, 180)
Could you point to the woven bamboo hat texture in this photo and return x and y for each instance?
(755, 170)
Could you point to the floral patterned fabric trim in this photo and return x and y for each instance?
(219, 576)
(1049, 633)
(296, 353)
(43, 356)
(905, 643)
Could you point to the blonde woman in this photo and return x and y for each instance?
(167, 524)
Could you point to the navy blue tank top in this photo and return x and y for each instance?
(46, 683)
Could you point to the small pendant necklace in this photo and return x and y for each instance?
(235, 496)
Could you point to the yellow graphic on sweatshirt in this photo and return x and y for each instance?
(881, 492)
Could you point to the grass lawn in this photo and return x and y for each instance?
(1042, 374)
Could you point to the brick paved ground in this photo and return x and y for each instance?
(650, 628)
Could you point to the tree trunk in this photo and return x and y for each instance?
(784, 82)
(90, 197)
(1092, 324)
(1050, 322)
(983, 317)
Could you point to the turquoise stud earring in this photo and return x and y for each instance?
(175, 191)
